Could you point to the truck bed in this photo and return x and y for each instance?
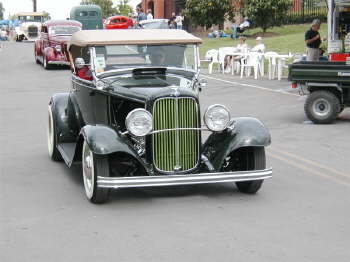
(330, 72)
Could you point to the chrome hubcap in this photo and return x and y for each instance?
(321, 107)
(88, 170)
(50, 133)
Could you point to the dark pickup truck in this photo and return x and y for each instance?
(327, 85)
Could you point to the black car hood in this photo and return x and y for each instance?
(149, 94)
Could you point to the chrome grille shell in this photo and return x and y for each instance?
(176, 150)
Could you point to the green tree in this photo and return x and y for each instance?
(46, 15)
(210, 12)
(124, 7)
(106, 6)
(267, 13)
(2, 10)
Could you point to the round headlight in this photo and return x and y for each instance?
(58, 48)
(217, 118)
(139, 122)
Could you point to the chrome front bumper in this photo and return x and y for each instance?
(188, 179)
(58, 63)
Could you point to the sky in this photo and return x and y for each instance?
(57, 9)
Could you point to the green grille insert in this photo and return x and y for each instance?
(175, 149)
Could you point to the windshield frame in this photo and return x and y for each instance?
(70, 26)
(119, 70)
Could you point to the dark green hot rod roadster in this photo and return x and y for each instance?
(132, 117)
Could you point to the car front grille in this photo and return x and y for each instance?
(32, 31)
(175, 150)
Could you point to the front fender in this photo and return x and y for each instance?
(18, 31)
(247, 132)
(104, 140)
(49, 53)
(65, 124)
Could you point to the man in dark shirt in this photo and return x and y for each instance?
(313, 41)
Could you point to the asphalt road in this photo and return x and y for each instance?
(301, 214)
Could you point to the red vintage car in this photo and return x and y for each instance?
(49, 48)
(118, 22)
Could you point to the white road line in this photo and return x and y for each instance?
(254, 86)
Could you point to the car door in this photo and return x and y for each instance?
(81, 96)
(41, 40)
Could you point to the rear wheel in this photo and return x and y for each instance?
(244, 159)
(322, 107)
(94, 166)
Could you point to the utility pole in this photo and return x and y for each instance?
(34, 5)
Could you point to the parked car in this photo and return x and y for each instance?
(29, 26)
(154, 24)
(327, 86)
(118, 22)
(90, 16)
(49, 48)
(132, 117)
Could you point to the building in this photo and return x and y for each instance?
(163, 8)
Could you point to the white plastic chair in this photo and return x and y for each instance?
(251, 60)
(235, 66)
(272, 67)
(281, 64)
(212, 55)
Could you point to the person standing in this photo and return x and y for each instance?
(141, 15)
(171, 22)
(313, 41)
(149, 14)
(178, 20)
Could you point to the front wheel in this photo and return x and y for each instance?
(36, 56)
(322, 107)
(45, 63)
(52, 138)
(94, 166)
(244, 159)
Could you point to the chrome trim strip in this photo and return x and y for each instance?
(188, 179)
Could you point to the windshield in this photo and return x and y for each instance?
(63, 30)
(30, 18)
(155, 25)
(155, 80)
(114, 57)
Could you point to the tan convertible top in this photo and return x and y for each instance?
(132, 36)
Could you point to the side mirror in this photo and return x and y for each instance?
(79, 62)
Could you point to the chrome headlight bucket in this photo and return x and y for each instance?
(217, 118)
(139, 122)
